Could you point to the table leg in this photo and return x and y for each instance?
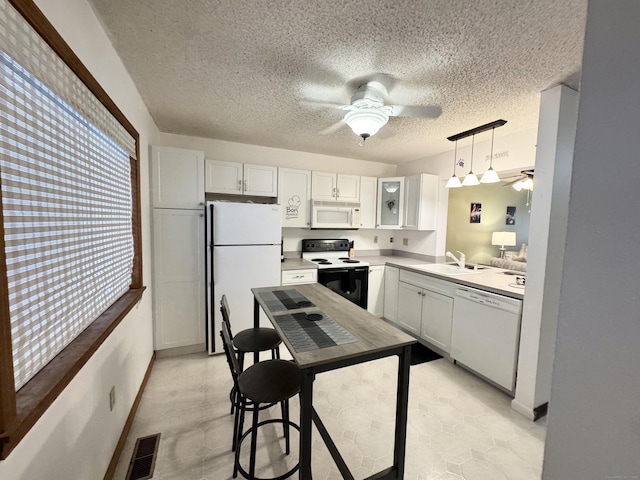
(402, 403)
(306, 423)
(256, 313)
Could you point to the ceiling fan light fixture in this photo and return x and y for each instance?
(366, 121)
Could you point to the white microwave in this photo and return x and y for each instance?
(335, 215)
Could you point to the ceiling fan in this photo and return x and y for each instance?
(523, 181)
(368, 112)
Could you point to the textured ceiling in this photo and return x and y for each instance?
(239, 70)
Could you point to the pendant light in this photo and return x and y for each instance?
(490, 176)
(454, 182)
(471, 179)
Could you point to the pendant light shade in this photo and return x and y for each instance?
(454, 182)
(490, 176)
(471, 179)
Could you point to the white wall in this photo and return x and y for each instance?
(556, 137)
(594, 419)
(76, 437)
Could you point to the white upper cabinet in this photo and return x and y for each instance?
(368, 200)
(223, 177)
(390, 203)
(237, 178)
(294, 193)
(177, 178)
(420, 202)
(260, 180)
(335, 186)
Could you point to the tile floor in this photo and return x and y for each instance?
(459, 427)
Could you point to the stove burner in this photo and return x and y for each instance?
(314, 317)
(325, 262)
(318, 259)
(343, 258)
(350, 261)
(304, 303)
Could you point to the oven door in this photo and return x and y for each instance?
(351, 283)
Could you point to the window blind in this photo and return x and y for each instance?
(67, 208)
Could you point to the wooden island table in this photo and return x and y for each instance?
(323, 331)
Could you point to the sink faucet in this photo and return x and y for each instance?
(459, 262)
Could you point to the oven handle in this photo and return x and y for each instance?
(333, 270)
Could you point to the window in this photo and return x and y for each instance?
(70, 266)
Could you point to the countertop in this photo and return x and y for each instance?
(489, 279)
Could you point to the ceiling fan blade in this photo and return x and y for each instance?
(416, 111)
(333, 128)
(321, 104)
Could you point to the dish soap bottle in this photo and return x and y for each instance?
(352, 252)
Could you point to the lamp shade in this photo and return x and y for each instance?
(504, 239)
(490, 176)
(366, 121)
(454, 182)
(470, 180)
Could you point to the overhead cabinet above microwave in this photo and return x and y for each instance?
(335, 186)
(234, 178)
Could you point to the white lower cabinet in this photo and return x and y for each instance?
(410, 307)
(391, 276)
(178, 276)
(297, 277)
(375, 290)
(425, 308)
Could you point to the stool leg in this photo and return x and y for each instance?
(236, 428)
(254, 438)
(285, 425)
(238, 433)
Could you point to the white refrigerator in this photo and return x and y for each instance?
(243, 252)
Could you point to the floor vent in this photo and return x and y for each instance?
(143, 460)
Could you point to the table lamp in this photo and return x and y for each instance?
(504, 239)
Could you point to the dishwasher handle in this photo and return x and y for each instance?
(490, 300)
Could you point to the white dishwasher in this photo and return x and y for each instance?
(485, 334)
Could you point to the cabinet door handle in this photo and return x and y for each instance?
(240, 185)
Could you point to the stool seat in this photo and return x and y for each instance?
(256, 340)
(270, 382)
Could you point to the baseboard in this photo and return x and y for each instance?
(532, 414)
(127, 426)
(174, 352)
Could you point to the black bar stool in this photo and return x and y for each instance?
(251, 340)
(260, 386)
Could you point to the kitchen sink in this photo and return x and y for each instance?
(445, 269)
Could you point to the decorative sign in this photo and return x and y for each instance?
(476, 210)
(292, 208)
(511, 216)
